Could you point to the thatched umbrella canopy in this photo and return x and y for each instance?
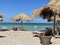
(44, 12)
(52, 4)
(1, 17)
(23, 17)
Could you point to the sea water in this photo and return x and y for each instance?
(27, 26)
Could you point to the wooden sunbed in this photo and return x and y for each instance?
(36, 34)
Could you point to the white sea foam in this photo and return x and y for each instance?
(4, 27)
(35, 26)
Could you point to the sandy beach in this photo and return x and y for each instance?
(22, 38)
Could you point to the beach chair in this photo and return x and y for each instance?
(36, 34)
(48, 31)
(14, 28)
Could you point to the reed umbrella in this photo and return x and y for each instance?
(50, 10)
(1, 17)
(22, 17)
(51, 4)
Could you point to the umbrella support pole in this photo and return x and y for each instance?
(54, 25)
(20, 28)
(21, 24)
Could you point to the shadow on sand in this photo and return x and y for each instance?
(57, 37)
(2, 36)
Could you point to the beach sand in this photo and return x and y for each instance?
(22, 38)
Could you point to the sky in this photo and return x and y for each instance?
(11, 8)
